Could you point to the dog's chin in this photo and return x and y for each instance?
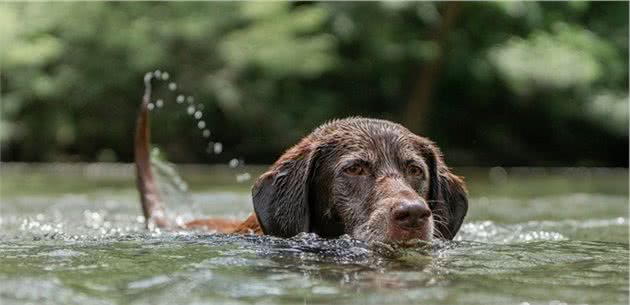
(402, 237)
(424, 233)
(398, 235)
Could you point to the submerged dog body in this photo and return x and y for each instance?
(371, 179)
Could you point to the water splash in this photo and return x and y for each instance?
(192, 109)
(488, 231)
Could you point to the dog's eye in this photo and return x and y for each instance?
(355, 170)
(414, 170)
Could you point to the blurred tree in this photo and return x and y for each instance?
(512, 83)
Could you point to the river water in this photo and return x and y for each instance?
(71, 234)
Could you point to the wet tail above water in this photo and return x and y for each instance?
(152, 204)
(145, 181)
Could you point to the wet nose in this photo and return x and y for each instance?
(410, 215)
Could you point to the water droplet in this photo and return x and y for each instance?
(206, 133)
(150, 106)
(165, 75)
(157, 74)
(243, 177)
(201, 124)
(190, 99)
(498, 175)
(159, 103)
(190, 110)
(180, 99)
(148, 76)
(218, 148)
(198, 114)
(200, 106)
(233, 163)
(172, 86)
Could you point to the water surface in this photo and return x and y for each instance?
(73, 235)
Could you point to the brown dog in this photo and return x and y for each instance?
(371, 179)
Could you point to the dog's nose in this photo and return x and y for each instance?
(410, 215)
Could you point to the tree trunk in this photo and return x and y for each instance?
(419, 105)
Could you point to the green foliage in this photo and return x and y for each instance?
(276, 39)
(525, 63)
(514, 82)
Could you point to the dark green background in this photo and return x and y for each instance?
(496, 83)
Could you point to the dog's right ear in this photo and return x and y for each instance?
(280, 195)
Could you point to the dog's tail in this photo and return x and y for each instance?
(147, 187)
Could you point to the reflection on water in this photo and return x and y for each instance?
(531, 238)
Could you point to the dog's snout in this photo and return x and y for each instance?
(410, 215)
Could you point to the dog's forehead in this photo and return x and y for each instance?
(368, 138)
(357, 126)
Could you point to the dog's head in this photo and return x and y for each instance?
(371, 179)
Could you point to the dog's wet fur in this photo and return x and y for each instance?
(371, 179)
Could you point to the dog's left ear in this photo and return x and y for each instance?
(447, 197)
(280, 195)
